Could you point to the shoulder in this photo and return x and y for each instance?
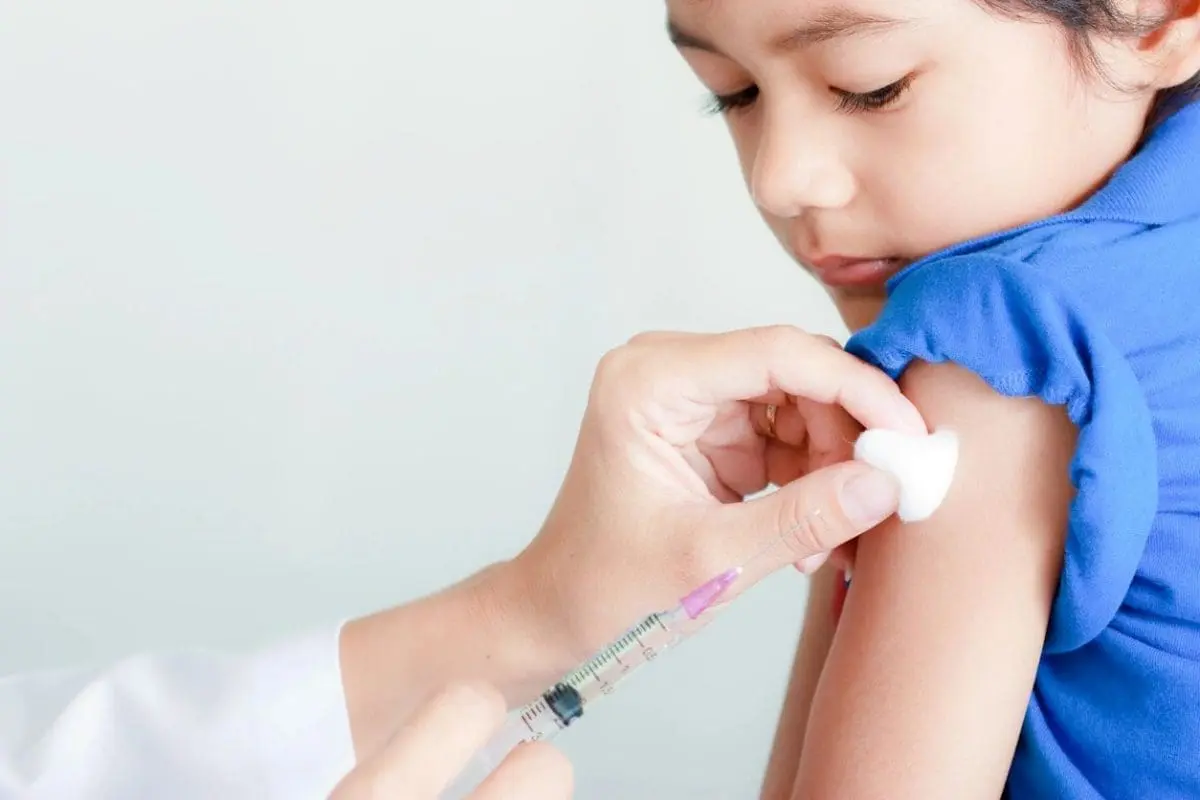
(1008, 322)
(1012, 488)
(1012, 479)
(949, 394)
(1046, 383)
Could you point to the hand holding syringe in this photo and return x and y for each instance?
(924, 467)
(566, 701)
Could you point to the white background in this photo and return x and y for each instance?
(299, 304)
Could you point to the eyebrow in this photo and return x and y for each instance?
(831, 24)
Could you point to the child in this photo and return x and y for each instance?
(1003, 199)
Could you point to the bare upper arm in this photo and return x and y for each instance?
(929, 674)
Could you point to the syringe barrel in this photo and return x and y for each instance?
(564, 703)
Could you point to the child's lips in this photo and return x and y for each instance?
(854, 271)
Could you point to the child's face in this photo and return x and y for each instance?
(988, 124)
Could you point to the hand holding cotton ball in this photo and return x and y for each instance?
(923, 466)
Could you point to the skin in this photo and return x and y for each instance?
(425, 756)
(996, 128)
(994, 125)
(651, 507)
(672, 438)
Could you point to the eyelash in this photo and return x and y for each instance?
(851, 102)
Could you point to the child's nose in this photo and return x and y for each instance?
(799, 165)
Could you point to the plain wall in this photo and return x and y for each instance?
(299, 306)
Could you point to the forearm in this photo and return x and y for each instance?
(815, 638)
(484, 628)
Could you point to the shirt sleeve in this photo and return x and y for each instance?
(1027, 335)
(269, 725)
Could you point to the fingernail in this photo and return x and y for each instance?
(870, 498)
(813, 563)
(909, 417)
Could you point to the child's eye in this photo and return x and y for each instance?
(724, 103)
(848, 101)
(873, 101)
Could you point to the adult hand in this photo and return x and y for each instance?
(679, 431)
(675, 437)
(426, 756)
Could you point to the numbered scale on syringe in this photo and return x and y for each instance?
(566, 702)
(569, 698)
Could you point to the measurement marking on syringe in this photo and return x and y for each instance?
(569, 699)
(531, 715)
(636, 645)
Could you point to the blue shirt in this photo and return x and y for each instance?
(1097, 309)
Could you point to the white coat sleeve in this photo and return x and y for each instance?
(269, 725)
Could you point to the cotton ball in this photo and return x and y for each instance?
(922, 464)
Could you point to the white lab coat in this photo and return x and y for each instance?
(267, 726)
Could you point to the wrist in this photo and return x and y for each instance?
(519, 613)
(489, 628)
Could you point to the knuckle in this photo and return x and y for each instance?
(805, 526)
(612, 363)
(780, 337)
(859, 379)
(613, 371)
(626, 377)
(618, 383)
(788, 342)
(645, 338)
(866, 376)
(764, 343)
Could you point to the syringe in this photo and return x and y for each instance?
(566, 701)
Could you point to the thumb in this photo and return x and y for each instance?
(809, 517)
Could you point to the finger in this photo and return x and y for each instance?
(760, 418)
(784, 463)
(747, 363)
(534, 771)
(813, 563)
(831, 432)
(791, 425)
(840, 559)
(808, 517)
(434, 747)
(773, 396)
(655, 338)
(725, 489)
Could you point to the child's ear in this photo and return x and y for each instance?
(1171, 50)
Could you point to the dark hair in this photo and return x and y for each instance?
(1082, 18)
